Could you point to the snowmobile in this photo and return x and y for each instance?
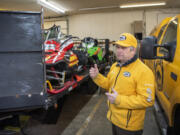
(96, 54)
(63, 66)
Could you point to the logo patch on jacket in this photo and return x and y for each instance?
(127, 74)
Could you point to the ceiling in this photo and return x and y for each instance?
(76, 6)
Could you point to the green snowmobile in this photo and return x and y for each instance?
(94, 51)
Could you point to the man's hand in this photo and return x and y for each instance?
(94, 71)
(112, 96)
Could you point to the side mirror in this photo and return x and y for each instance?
(148, 48)
(171, 47)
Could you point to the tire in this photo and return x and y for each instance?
(51, 115)
(177, 122)
(170, 131)
(175, 130)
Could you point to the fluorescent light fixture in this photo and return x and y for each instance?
(51, 6)
(134, 5)
(96, 8)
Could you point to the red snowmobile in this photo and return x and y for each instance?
(64, 67)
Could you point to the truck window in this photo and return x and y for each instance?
(161, 32)
(169, 36)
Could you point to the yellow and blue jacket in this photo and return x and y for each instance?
(134, 82)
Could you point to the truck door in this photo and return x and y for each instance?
(165, 71)
(158, 68)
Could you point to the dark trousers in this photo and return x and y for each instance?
(119, 131)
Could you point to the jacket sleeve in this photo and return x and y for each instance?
(103, 81)
(145, 94)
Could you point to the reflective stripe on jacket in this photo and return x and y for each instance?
(134, 83)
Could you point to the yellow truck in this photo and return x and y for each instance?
(161, 52)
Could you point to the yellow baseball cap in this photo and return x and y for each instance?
(126, 40)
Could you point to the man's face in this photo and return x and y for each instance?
(124, 53)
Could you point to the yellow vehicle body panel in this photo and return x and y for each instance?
(156, 30)
(167, 73)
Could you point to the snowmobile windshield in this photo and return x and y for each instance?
(53, 34)
(88, 45)
(88, 42)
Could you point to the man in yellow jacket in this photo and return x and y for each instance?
(130, 88)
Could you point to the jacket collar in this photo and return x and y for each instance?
(128, 62)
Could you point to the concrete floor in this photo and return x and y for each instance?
(99, 125)
(85, 115)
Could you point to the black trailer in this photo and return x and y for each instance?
(22, 68)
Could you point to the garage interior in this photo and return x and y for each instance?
(82, 109)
